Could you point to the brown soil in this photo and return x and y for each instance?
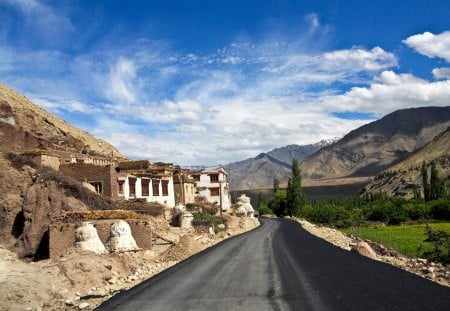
(79, 279)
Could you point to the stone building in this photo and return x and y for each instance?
(126, 180)
(213, 185)
(144, 180)
(184, 187)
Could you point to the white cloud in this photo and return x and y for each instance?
(431, 45)
(389, 92)
(41, 19)
(373, 60)
(121, 82)
(441, 73)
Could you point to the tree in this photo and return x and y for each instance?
(426, 185)
(294, 196)
(437, 186)
(276, 185)
(261, 200)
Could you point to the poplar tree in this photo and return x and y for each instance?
(295, 196)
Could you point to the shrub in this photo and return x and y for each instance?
(265, 210)
(440, 209)
(441, 245)
(18, 161)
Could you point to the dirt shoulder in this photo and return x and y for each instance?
(80, 280)
(433, 271)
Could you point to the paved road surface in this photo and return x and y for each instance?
(280, 266)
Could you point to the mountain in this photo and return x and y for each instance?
(259, 172)
(404, 177)
(378, 145)
(25, 126)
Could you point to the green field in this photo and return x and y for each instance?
(406, 239)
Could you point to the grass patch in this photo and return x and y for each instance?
(406, 239)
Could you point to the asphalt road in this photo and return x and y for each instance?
(280, 266)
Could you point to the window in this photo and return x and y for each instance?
(165, 188)
(145, 187)
(214, 191)
(120, 184)
(214, 177)
(132, 183)
(98, 186)
(155, 187)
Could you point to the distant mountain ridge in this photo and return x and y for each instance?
(259, 172)
(404, 178)
(373, 147)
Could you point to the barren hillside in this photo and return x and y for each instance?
(374, 147)
(24, 125)
(400, 179)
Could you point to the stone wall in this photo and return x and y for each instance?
(62, 235)
(93, 173)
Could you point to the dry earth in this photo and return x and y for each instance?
(81, 281)
(433, 271)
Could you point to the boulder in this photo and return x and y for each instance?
(121, 239)
(364, 249)
(88, 240)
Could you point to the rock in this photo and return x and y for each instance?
(68, 302)
(364, 249)
(211, 231)
(220, 227)
(42, 200)
(87, 239)
(121, 239)
(83, 305)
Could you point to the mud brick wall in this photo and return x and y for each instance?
(62, 235)
(93, 173)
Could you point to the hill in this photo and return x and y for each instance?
(376, 146)
(259, 172)
(404, 178)
(26, 201)
(24, 126)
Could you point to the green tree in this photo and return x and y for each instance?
(426, 185)
(437, 186)
(261, 200)
(276, 185)
(294, 196)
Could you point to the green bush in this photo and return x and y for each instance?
(265, 210)
(440, 209)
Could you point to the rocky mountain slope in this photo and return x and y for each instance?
(376, 146)
(24, 125)
(24, 197)
(259, 172)
(405, 176)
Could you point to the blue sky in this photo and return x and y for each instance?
(211, 82)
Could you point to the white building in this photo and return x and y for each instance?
(213, 185)
(151, 189)
(144, 180)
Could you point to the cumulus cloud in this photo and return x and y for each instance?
(391, 91)
(431, 45)
(441, 73)
(373, 60)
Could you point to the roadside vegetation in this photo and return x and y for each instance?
(396, 222)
